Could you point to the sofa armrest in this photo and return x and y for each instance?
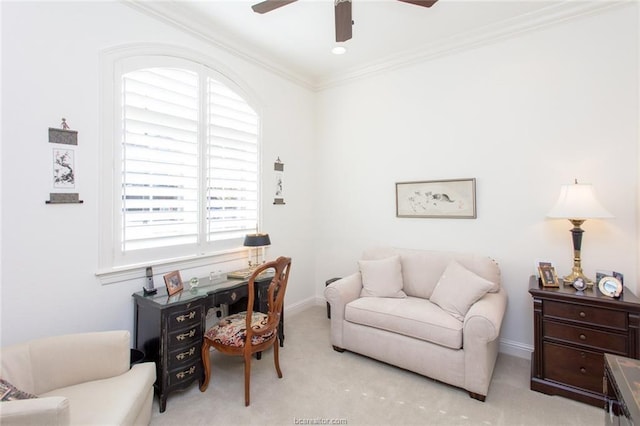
(484, 319)
(52, 410)
(480, 335)
(339, 293)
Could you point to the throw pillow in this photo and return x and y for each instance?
(458, 289)
(381, 278)
(11, 393)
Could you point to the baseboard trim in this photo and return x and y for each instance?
(514, 348)
(296, 308)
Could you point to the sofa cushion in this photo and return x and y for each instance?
(382, 277)
(421, 269)
(458, 289)
(412, 316)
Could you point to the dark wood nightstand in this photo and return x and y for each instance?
(572, 331)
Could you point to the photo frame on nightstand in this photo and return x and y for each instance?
(548, 276)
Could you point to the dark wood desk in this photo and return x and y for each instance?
(622, 390)
(169, 329)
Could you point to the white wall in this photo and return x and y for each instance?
(50, 69)
(523, 117)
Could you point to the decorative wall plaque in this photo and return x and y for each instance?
(278, 166)
(63, 165)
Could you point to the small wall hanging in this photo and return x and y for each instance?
(278, 166)
(63, 165)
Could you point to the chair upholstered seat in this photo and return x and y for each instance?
(232, 330)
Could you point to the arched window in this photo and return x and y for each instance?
(185, 162)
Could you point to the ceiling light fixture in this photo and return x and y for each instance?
(339, 50)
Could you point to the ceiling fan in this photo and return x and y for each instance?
(342, 9)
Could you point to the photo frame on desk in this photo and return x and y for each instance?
(548, 276)
(173, 281)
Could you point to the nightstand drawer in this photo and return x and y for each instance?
(595, 339)
(586, 314)
(580, 368)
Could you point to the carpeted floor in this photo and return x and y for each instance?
(321, 386)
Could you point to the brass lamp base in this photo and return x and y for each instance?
(576, 271)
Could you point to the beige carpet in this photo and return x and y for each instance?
(321, 386)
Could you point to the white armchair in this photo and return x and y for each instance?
(81, 378)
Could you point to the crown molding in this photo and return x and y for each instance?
(506, 29)
(171, 13)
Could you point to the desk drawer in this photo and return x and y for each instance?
(579, 368)
(185, 337)
(586, 314)
(185, 317)
(231, 296)
(185, 374)
(596, 339)
(184, 355)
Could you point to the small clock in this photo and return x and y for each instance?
(579, 284)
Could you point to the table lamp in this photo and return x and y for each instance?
(256, 240)
(577, 202)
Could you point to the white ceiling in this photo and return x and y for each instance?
(296, 39)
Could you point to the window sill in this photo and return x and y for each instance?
(135, 272)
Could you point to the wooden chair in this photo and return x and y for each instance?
(231, 334)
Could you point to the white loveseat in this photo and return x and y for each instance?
(435, 313)
(77, 379)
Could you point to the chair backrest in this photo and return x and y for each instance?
(275, 295)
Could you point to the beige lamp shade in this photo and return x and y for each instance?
(578, 201)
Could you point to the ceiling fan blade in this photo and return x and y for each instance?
(425, 3)
(269, 5)
(344, 22)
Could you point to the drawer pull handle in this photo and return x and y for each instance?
(583, 370)
(183, 355)
(183, 336)
(190, 315)
(583, 337)
(234, 296)
(582, 314)
(183, 374)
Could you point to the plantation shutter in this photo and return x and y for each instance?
(160, 158)
(182, 167)
(232, 173)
